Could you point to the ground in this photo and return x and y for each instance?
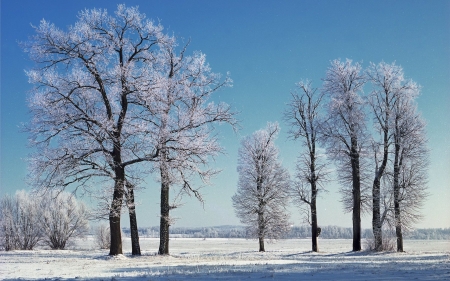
(231, 259)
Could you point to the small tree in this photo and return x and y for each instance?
(8, 223)
(63, 218)
(19, 222)
(263, 187)
(303, 116)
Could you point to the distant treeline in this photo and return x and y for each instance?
(328, 232)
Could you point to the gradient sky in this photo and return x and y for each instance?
(267, 46)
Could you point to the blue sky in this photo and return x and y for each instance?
(267, 46)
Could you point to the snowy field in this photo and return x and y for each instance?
(231, 259)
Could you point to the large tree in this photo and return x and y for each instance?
(303, 114)
(344, 133)
(410, 163)
(402, 141)
(181, 119)
(387, 81)
(263, 187)
(88, 79)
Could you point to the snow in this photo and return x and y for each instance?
(231, 259)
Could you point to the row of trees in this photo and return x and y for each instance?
(26, 221)
(390, 160)
(116, 100)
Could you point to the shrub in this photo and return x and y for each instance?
(389, 243)
(19, 222)
(102, 237)
(63, 218)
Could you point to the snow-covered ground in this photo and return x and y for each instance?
(231, 259)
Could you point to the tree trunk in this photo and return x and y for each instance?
(398, 226)
(261, 224)
(397, 213)
(377, 221)
(314, 232)
(356, 216)
(165, 208)
(114, 218)
(376, 214)
(261, 244)
(261, 230)
(261, 227)
(135, 247)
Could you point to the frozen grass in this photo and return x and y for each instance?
(231, 259)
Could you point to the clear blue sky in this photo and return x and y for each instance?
(267, 46)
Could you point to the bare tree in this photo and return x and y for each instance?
(181, 122)
(19, 222)
(88, 80)
(344, 133)
(8, 231)
(403, 137)
(263, 187)
(387, 80)
(410, 163)
(303, 116)
(63, 218)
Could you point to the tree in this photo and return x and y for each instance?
(410, 163)
(263, 187)
(403, 137)
(63, 218)
(19, 222)
(387, 80)
(88, 83)
(344, 133)
(303, 116)
(181, 125)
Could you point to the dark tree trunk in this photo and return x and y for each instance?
(376, 214)
(397, 213)
(377, 222)
(398, 226)
(261, 224)
(165, 208)
(135, 247)
(313, 181)
(114, 218)
(261, 229)
(261, 244)
(314, 230)
(356, 179)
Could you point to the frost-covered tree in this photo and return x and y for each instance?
(181, 122)
(399, 185)
(387, 82)
(62, 219)
(303, 114)
(344, 134)
(88, 80)
(410, 163)
(263, 186)
(19, 222)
